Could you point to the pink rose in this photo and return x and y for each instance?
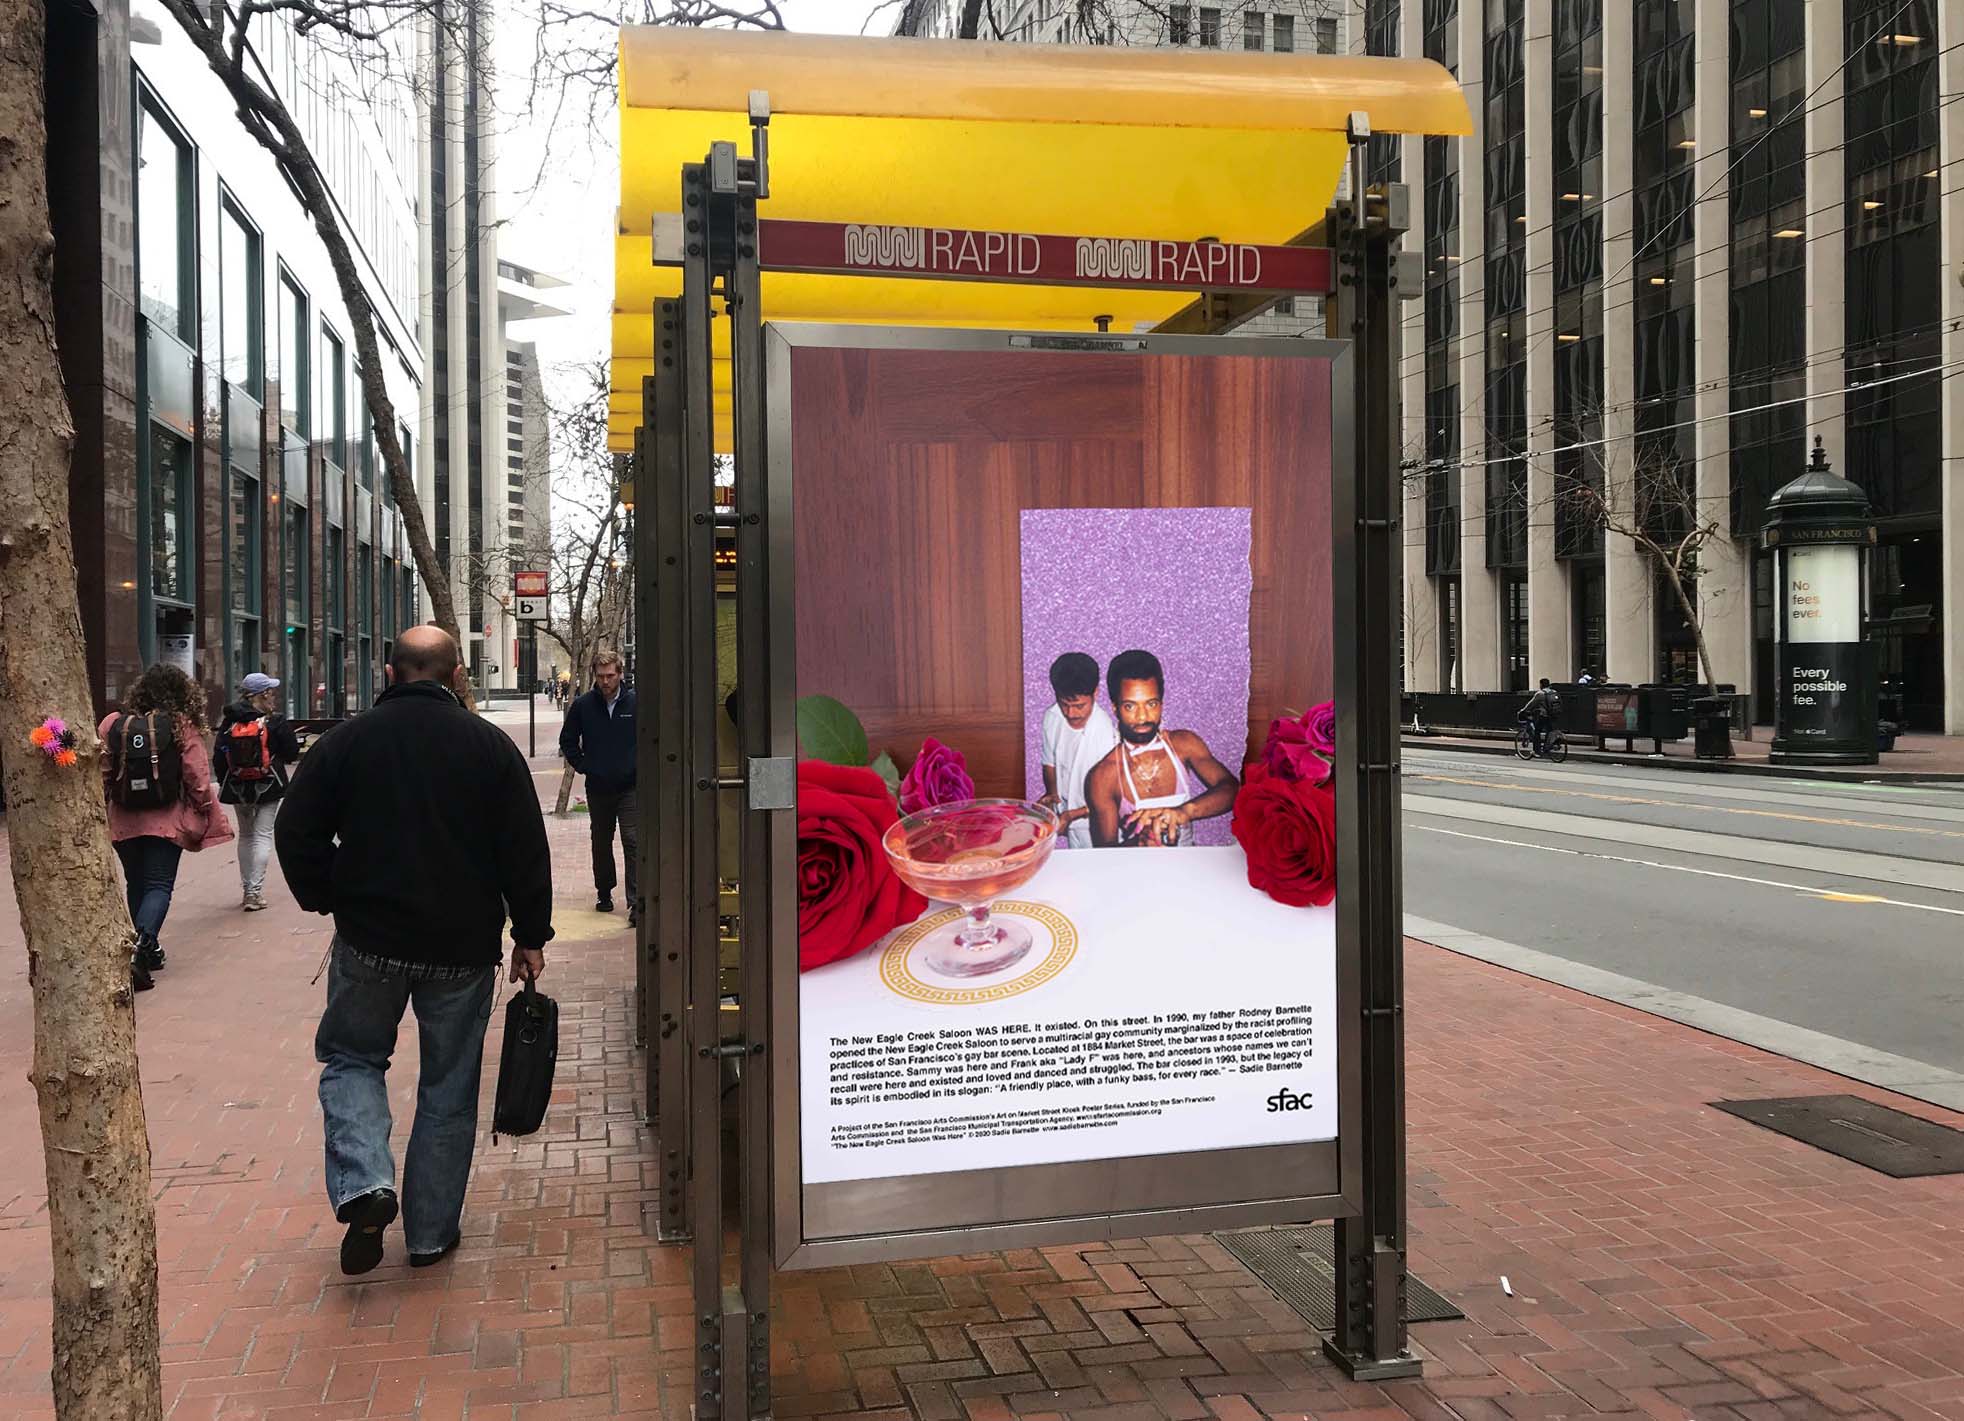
(1302, 747)
(1321, 723)
(939, 775)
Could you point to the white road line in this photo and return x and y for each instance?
(1766, 853)
(1798, 1043)
(1419, 769)
(1812, 892)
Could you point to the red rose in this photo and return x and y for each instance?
(1288, 830)
(848, 896)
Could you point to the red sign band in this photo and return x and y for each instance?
(963, 254)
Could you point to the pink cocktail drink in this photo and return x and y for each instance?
(971, 853)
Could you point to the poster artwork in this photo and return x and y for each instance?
(1096, 660)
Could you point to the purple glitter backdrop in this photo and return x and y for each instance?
(1172, 581)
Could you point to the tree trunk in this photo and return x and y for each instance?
(267, 119)
(1697, 627)
(102, 1229)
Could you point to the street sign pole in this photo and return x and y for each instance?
(532, 700)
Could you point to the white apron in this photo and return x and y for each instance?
(1129, 801)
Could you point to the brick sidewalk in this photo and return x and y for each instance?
(1666, 1260)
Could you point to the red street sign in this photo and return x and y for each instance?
(961, 254)
(528, 584)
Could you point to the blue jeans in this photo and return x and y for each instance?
(356, 1038)
(149, 876)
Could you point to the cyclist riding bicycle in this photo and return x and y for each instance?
(1540, 713)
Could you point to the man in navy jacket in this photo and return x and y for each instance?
(598, 741)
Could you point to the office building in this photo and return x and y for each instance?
(1683, 242)
(227, 502)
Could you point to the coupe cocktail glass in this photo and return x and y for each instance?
(970, 853)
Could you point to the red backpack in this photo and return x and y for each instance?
(248, 756)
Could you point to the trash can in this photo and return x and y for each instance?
(1712, 727)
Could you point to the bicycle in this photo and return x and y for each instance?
(1553, 747)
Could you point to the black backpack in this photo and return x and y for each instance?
(525, 1066)
(146, 764)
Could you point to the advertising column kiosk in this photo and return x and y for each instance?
(1818, 530)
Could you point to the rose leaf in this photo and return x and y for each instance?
(888, 771)
(828, 731)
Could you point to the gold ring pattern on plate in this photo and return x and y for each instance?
(895, 972)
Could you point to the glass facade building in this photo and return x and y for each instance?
(221, 496)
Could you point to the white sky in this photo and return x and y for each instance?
(564, 225)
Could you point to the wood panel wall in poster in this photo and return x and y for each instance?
(912, 470)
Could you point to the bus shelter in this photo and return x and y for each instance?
(919, 273)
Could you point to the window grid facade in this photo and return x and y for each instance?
(1506, 279)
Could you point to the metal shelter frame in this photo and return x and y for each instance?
(699, 1041)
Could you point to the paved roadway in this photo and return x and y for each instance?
(1822, 920)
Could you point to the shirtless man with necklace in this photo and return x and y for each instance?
(1151, 789)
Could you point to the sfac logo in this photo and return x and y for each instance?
(1286, 1099)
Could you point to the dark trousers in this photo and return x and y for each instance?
(149, 877)
(606, 810)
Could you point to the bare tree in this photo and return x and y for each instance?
(1649, 498)
(102, 1227)
(222, 32)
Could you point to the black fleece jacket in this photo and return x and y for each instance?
(416, 825)
(598, 745)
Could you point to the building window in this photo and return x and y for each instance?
(1326, 34)
(170, 516)
(1179, 23)
(334, 398)
(1514, 630)
(1285, 34)
(166, 270)
(293, 355)
(1210, 28)
(1768, 260)
(337, 564)
(1253, 33)
(245, 514)
(1450, 671)
(296, 564)
(241, 280)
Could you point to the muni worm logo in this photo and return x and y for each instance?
(1286, 1099)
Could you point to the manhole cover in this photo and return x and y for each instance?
(1297, 1265)
(1888, 1141)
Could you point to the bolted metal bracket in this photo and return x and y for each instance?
(774, 783)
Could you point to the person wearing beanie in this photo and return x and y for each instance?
(256, 748)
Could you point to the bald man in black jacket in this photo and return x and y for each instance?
(417, 826)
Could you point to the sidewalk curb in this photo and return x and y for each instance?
(1853, 774)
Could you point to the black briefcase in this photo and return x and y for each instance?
(525, 1067)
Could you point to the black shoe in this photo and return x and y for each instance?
(149, 955)
(633, 916)
(140, 979)
(366, 1216)
(605, 905)
(424, 1260)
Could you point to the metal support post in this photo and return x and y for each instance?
(697, 673)
(667, 928)
(756, 741)
(641, 556)
(1370, 1341)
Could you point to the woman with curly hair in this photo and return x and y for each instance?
(150, 840)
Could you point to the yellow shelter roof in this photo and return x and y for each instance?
(1168, 144)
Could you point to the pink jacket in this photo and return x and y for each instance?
(195, 821)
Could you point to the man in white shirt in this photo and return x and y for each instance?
(1077, 734)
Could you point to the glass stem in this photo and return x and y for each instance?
(979, 931)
